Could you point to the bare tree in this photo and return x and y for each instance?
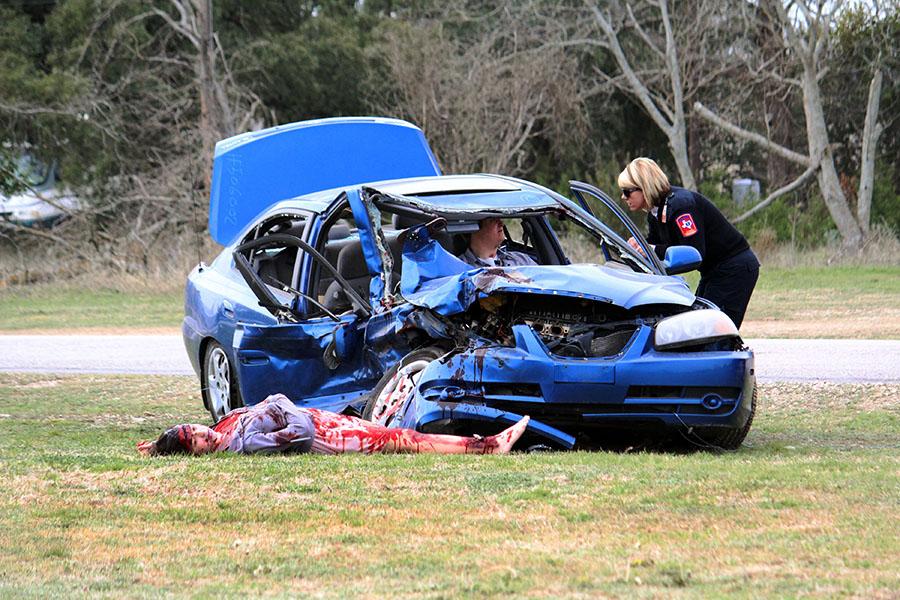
(662, 60)
(805, 31)
(218, 93)
(484, 95)
(154, 94)
(665, 107)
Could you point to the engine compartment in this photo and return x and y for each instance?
(569, 327)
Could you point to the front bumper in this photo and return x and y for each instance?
(639, 389)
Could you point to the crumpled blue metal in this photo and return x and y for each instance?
(367, 238)
(427, 270)
(433, 278)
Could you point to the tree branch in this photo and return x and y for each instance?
(637, 88)
(777, 194)
(642, 33)
(756, 138)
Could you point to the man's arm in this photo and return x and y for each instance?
(295, 435)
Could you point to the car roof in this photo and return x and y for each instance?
(481, 193)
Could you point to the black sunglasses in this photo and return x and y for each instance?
(629, 191)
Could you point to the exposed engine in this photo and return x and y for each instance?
(571, 327)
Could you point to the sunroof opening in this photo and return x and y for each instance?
(460, 192)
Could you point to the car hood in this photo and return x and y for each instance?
(433, 278)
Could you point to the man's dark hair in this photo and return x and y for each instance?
(173, 441)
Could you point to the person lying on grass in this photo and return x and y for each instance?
(277, 425)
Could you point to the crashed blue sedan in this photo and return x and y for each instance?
(340, 285)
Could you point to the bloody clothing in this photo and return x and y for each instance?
(277, 425)
(273, 425)
(729, 270)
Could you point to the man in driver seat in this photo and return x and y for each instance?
(485, 247)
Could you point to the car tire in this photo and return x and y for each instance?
(732, 438)
(379, 406)
(218, 382)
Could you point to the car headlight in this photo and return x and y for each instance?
(693, 327)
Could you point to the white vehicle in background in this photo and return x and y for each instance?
(41, 199)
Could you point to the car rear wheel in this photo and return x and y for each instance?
(385, 401)
(218, 383)
(731, 439)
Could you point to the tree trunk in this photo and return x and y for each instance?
(678, 145)
(694, 145)
(210, 112)
(829, 184)
(778, 170)
(871, 133)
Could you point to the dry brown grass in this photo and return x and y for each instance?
(28, 262)
(882, 248)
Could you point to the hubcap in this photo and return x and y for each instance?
(218, 382)
(395, 393)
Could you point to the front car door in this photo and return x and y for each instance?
(311, 354)
(617, 220)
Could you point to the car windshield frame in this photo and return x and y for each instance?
(458, 220)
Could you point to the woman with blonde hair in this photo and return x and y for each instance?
(680, 217)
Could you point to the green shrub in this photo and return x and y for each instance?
(886, 198)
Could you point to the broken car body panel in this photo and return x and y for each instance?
(435, 279)
(572, 345)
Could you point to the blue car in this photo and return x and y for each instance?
(341, 286)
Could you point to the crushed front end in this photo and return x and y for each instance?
(583, 368)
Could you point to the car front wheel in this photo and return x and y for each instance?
(218, 383)
(385, 402)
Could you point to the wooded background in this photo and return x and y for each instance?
(129, 97)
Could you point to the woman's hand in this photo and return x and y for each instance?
(633, 243)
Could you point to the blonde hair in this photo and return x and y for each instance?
(645, 174)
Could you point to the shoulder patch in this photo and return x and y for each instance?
(686, 225)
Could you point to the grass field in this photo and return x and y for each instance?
(808, 507)
(843, 302)
(48, 308)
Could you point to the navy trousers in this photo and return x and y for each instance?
(730, 284)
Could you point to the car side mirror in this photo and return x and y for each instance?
(681, 259)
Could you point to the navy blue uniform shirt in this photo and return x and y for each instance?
(692, 220)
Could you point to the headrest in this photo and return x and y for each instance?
(404, 221)
(351, 263)
(339, 231)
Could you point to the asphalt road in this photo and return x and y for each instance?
(839, 361)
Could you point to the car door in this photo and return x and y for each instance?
(617, 220)
(314, 357)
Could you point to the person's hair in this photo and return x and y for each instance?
(645, 174)
(174, 440)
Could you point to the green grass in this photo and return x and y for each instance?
(785, 293)
(807, 507)
(47, 307)
(840, 302)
